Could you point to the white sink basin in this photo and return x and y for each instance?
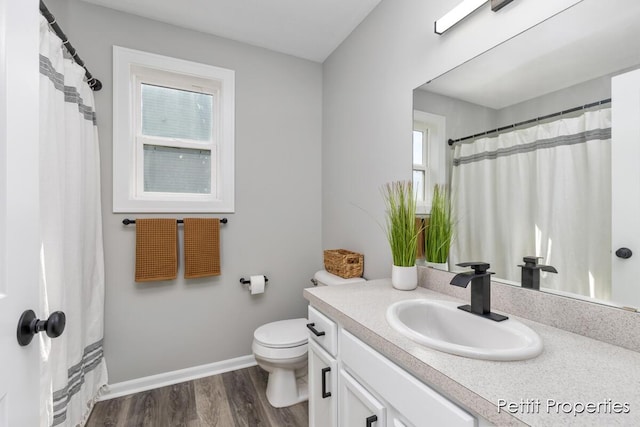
(442, 326)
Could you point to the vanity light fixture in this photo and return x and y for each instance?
(463, 10)
(457, 14)
(496, 5)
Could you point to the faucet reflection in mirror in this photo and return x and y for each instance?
(531, 272)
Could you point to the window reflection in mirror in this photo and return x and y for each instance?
(429, 168)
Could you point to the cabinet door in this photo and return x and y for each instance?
(323, 388)
(358, 408)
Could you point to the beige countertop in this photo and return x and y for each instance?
(572, 371)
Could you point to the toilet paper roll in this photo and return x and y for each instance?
(257, 284)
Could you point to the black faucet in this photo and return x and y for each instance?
(480, 280)
(531, 272)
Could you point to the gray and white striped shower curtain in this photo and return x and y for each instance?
(72, 260)
(544, 191)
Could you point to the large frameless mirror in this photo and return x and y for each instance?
(542, 161)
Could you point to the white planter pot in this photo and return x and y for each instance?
(404, 278)
(444, 266)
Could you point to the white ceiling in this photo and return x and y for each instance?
(309, 29)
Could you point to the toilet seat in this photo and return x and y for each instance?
(282, 334)
(278, 354)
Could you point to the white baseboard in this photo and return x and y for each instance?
(168, 378)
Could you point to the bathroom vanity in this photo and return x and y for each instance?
(358, 386)
(363, 372)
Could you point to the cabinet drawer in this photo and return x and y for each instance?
(417, 402)
(323, 330)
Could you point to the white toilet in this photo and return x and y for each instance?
(280, 348)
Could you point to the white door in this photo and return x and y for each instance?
(323, 387)
(19, 235)
(625, 194)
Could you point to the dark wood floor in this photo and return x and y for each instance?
(227, 400)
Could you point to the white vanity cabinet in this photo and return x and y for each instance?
(323, 370)
(367, 389)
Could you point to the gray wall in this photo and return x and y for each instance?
(158, 327)
(367, 106)
(463, 118)
(574, 96)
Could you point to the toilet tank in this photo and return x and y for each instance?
(324, 278)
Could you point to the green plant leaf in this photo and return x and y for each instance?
(402, 232)
(440, 229)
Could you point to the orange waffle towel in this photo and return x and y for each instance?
(156, 249)
(201, 247)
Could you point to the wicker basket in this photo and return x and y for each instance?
(343, 263)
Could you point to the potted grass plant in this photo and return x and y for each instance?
(402, 233)
(439, 231)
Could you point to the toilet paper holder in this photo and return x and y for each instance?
(248, 282)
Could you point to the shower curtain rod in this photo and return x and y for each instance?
(537, 119)
(93, 83)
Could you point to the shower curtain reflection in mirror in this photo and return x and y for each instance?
(541, 191)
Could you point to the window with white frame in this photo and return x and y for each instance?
(173, 132)
(428, 157)
(420, 156)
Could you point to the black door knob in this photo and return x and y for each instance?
(624, 253)
(29, 325)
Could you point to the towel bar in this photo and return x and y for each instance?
(128, 221)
